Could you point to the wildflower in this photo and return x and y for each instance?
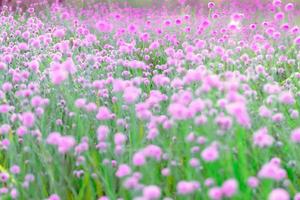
(261, 138)
(186, 187)
(123, 170)
(272, 170)
(279, 194)
(28, 119)
(295, 136)
(229, 188)
(54, 197)
(210, 153)
(151, 192)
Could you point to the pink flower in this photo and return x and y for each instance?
(153, 151)
(53, 138)
(186, 187)
(138, 159)
(21, 131)
(279, 16)
(151, 192)
(289, 7)
(211, 5)
(194, 162)
(4, 108)
(229, 187)
(54, 197)
(3, 66)
(119, 138)
(103, 113)
(210, 153)
(265, 112)
(278, 117)
(154, 45)
(102, 133)
(59, 33)
(215, 193)
(297, 196)
(165, 172)
(15, 169)
(239, 111)
(279, 194)
(37, 101)
(28, 119)
(58, 76)
(261, 138)
(272, 170)
(178, 111)
(123, 170)
(297, 41)
(69, 66)
(253, 182)
(80, 103)
(66, 143)
(131, 94)
(295, 136)
(63, 143)
(287, 97)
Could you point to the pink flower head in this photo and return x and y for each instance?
(261, 138)
(151, 192)
(3, 66)
(66, 143)
(287, 98)
(131, 94)
(153, 151)
(229, 188)
(154, 45)
(58, 74)
(80, 103)
(186, 187)
(59, 33)
(15, 169)
(119, 138)
(276, 3)
(178, 111)
(54, 197)
(272, 170)
(138, 159)
(28, 119)
(289, 7)
(4, 108)
(182, 2)
(253, 182)
(279, 16)
(53, 138)
(297, 196)
(102, 133)
(104, 113)
(69, 66)
(297, 41)
(211, 5)
(239, 111)
(295, 136)
(215, 193)
(123, 170)
(210, 153)
(63, 143)
(279, 194)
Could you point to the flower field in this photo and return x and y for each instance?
(110, 101)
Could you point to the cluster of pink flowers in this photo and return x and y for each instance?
(63, 143)
(144, 103)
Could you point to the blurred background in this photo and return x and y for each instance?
(172, 4)
(138, 3)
